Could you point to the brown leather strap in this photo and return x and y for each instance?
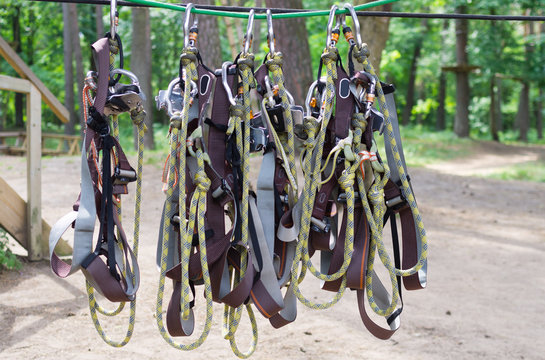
(175, 325)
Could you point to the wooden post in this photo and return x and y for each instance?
(34, 173)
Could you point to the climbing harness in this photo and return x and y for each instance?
(111, 266)
(250, 243)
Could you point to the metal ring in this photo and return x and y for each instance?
(270, 31)
(356, 23)
(228, 90)
(249, 31)
(113, 11)
(334, 8)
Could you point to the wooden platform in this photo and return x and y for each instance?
(14, 219)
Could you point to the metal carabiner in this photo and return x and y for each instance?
(309, 97)
(249, 32)
(356, 23)
(228, 90)
(127, 73)
(188, 9)
(113, 18)
(270, 31)
(332, 17)
(170, 88)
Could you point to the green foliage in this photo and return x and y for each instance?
(423, 146)
(530, 171)
(8, 260)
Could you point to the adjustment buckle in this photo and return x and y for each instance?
(397, 203)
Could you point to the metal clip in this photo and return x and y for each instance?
(124, 97)
(259, 135)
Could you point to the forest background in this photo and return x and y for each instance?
(479, 79)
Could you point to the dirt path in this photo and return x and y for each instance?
(484, 299)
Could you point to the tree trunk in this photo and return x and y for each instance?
(539, 114)
(209, 41)
(493, 115)
(141, 66)
(292, 40)
(407, 110)
(76, 47)
(374, 32)
(441, 123)
(99, 22)
(461, 121)
(68, 71)
(523, 113)
(19, 98)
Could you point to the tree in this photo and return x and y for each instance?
(69, 127)
(76, 50)
(141, 66)
(407, 110)
(209, 40)
(461, 120)
(378, 27)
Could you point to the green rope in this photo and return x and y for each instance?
(162, 5)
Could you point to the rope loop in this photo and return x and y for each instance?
(359, 122)
(138, 116)
(189, 55)
(114, 46)
(346, 180)
(274, 61)
(330, 55)
(246, 62)
(176, 122)
(362, 52)
(202, 181)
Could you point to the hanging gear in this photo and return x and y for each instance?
(111, 268)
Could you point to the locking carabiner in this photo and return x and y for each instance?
(249, 32)
(270, 33)
(331, 39)
(190, 34)
(228, 90)
(356, 24)
(114, 18)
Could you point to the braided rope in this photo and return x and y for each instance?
(178, 137)
(94, 306)
(361, 56)
(274, 64)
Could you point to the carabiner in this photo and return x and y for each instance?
(187, 40)
(126, 73)
(270, 36)
(309, 97)
(228, 90)
(356, 23)
(113, 18)
(249, 32)
(332, 17)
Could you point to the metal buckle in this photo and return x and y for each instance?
(123, 177)
(342, 197)
(397, 203)
(319, 225)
